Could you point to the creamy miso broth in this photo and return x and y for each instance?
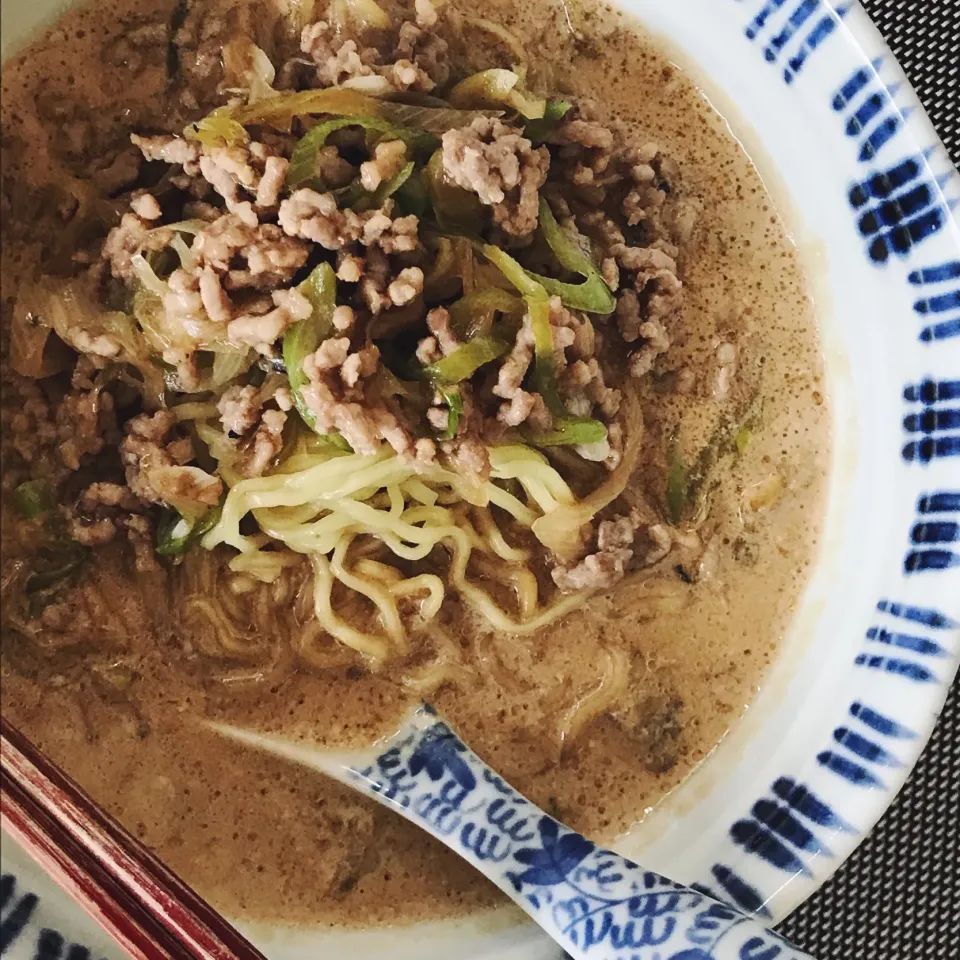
(130, 609)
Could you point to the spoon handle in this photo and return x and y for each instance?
(596, 904)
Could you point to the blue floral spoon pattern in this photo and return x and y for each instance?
(595, 903)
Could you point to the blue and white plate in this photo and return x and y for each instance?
(845, 712)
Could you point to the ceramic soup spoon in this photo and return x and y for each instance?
(595, 903)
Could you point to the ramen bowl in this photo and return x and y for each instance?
(821, 106)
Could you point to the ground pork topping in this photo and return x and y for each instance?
(262, 449)
(502, 167)
(155, 457)
(441, 344)
(587, 133)
(317, 217)
(239, 409)
(260, 256)
(130, 236)
(381, 289)
(85, 422)
(417, 61)
(606, 566)
(235, 283)
(651, 332)
(426, 14)
(258, 430)
(32, 428)
(389, 157)
(145, 206)
(102, 511)
(510, 377)
(655, 279)
(336, 395)
(521, 406)
(438, 322)
(262, 330)
(173, 150)
(469, 456)
(248, 177)
(426, 52)
(337, 59)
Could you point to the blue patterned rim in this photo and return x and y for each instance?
(794, 833)
(791, 838)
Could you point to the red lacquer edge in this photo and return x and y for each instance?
(144, 906)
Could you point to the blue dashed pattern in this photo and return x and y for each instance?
(898, 208)
(52, 946)
(872, 116)
(942, 303)
(883, 725)
(906, 641)
(780, 830)
(18, 925)
(929, 618)
(738, 891)
(864, 747)
(933, 538)
(914, 652)
(805, 803)
(15, 911)
(796, 825)
(789, 31)
(857, 756)
(901, 668)
(937, 422)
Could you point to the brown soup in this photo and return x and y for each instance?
(596, 717)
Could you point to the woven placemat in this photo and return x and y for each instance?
(898, 896)
(925, 38)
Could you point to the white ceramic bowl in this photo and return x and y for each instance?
(819, 101)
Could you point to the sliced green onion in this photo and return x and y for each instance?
(566, 429)
(464, 362)
(219, 128)
(58, 564)
(302, 169)
(286, 106)
(569, 431)
(364, 13)
(457, 210)
(454, 401)
(147, 276)
(390, 186)
(491, 88)
(188, 259)
(357, 197)
(538, 308)
(303, 338)
(411, 195)
(433, 119)
(528, 284)
(343, 102)
(472, 315)
(593, 295)
(678, 485)
(539, 129)
(176, 534)
(33, 497)
(228, 364)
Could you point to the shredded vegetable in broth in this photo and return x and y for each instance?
(365, 352)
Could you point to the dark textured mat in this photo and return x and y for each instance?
(925, 37)
(898, 896)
